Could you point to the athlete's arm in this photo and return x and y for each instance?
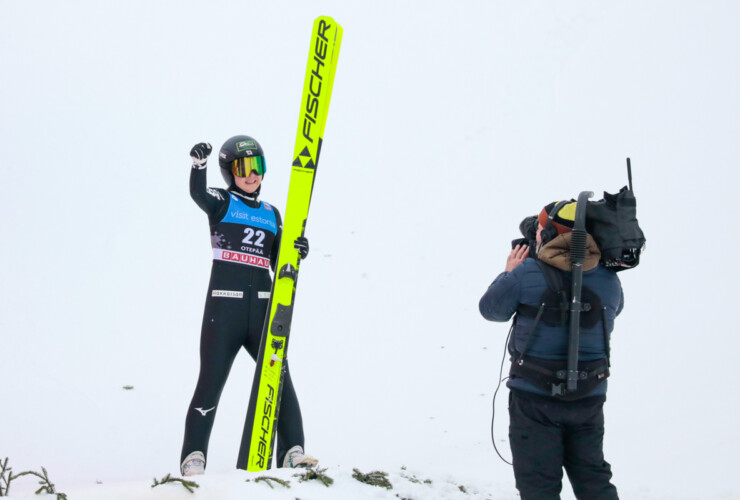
(211, 201)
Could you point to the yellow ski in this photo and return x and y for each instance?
(258, 438)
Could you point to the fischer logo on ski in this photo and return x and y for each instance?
(298, 162)
(315, 78)
(262, 455)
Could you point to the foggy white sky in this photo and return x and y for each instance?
(449, 123)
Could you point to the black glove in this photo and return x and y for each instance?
(301, 244)
(200, 153)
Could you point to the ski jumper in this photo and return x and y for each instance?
(245, 236)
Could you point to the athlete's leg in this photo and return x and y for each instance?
(290, 421)
(219, 345)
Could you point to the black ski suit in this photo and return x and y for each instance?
(245, 235)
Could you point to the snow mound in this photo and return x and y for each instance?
(329, 483)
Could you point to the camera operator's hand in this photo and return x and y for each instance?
(200, 153)
(516, 257)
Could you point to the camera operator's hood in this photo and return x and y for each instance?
(556, 252)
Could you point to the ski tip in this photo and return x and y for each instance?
(329, 22)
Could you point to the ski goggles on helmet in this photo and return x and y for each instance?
(242, 167)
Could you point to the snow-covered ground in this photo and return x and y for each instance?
(450, 122)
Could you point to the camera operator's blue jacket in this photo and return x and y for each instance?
(526, 284)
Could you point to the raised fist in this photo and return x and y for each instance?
(200, 153)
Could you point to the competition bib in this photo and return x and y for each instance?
(245, 235)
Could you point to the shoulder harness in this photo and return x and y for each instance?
(550, 375)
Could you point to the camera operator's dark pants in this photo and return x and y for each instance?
(547, 435)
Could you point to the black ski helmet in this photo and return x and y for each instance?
(239, 146)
